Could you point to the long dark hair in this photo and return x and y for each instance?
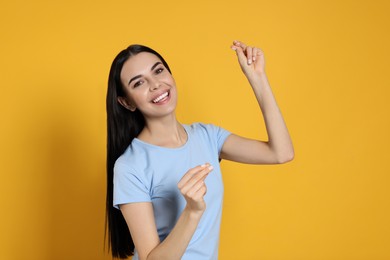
(123, 126)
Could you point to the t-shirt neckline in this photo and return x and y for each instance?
(143, 143)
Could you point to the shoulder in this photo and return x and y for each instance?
(131, 160)
(209, 133)
(202, 127)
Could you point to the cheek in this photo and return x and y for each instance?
(138, 97)
(174, 95)
(173, 80)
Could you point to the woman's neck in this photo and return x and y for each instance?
(165, 132)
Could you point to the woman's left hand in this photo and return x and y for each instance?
(278, 148)
(251, 59)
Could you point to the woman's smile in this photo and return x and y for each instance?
(161, 99)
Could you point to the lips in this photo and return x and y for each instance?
(160, 97)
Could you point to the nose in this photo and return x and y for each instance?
(154, 84)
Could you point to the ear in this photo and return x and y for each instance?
(126, 104)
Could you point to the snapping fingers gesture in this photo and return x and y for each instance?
(251, 59)
(193, 188)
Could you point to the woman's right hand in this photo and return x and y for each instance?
(193, 187)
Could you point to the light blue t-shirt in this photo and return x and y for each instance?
(149, 173)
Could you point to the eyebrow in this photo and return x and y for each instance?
(139, 76)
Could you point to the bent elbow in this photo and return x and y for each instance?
(286, 157)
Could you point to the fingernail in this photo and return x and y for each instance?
(249, 62)
(211, 167)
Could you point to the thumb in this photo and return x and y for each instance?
(240, 55)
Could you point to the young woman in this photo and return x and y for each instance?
(159, 170)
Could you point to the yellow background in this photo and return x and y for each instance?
(328, 63)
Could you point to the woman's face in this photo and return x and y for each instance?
(148, 86)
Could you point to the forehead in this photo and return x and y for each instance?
(138, 65)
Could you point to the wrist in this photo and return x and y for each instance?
(193, 213)
(258, 79)
(255, 75)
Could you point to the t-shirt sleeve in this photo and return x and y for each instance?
(222, 134)
(129, 186)
(219, 134)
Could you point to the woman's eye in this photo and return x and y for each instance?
(138, 83)
(159, 70)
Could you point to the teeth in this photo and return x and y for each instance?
(160, 97)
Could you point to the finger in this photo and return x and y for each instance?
(195, 180)
(259, 51)
(185, 187)
(254, 53)
(259, 54)
(196, 188)
(236, 46)
(240, 55)
(240, 44)
(249, 54)
(200, 193)
(191, 173)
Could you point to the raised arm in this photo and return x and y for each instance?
(140, 219)
(278, 148)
